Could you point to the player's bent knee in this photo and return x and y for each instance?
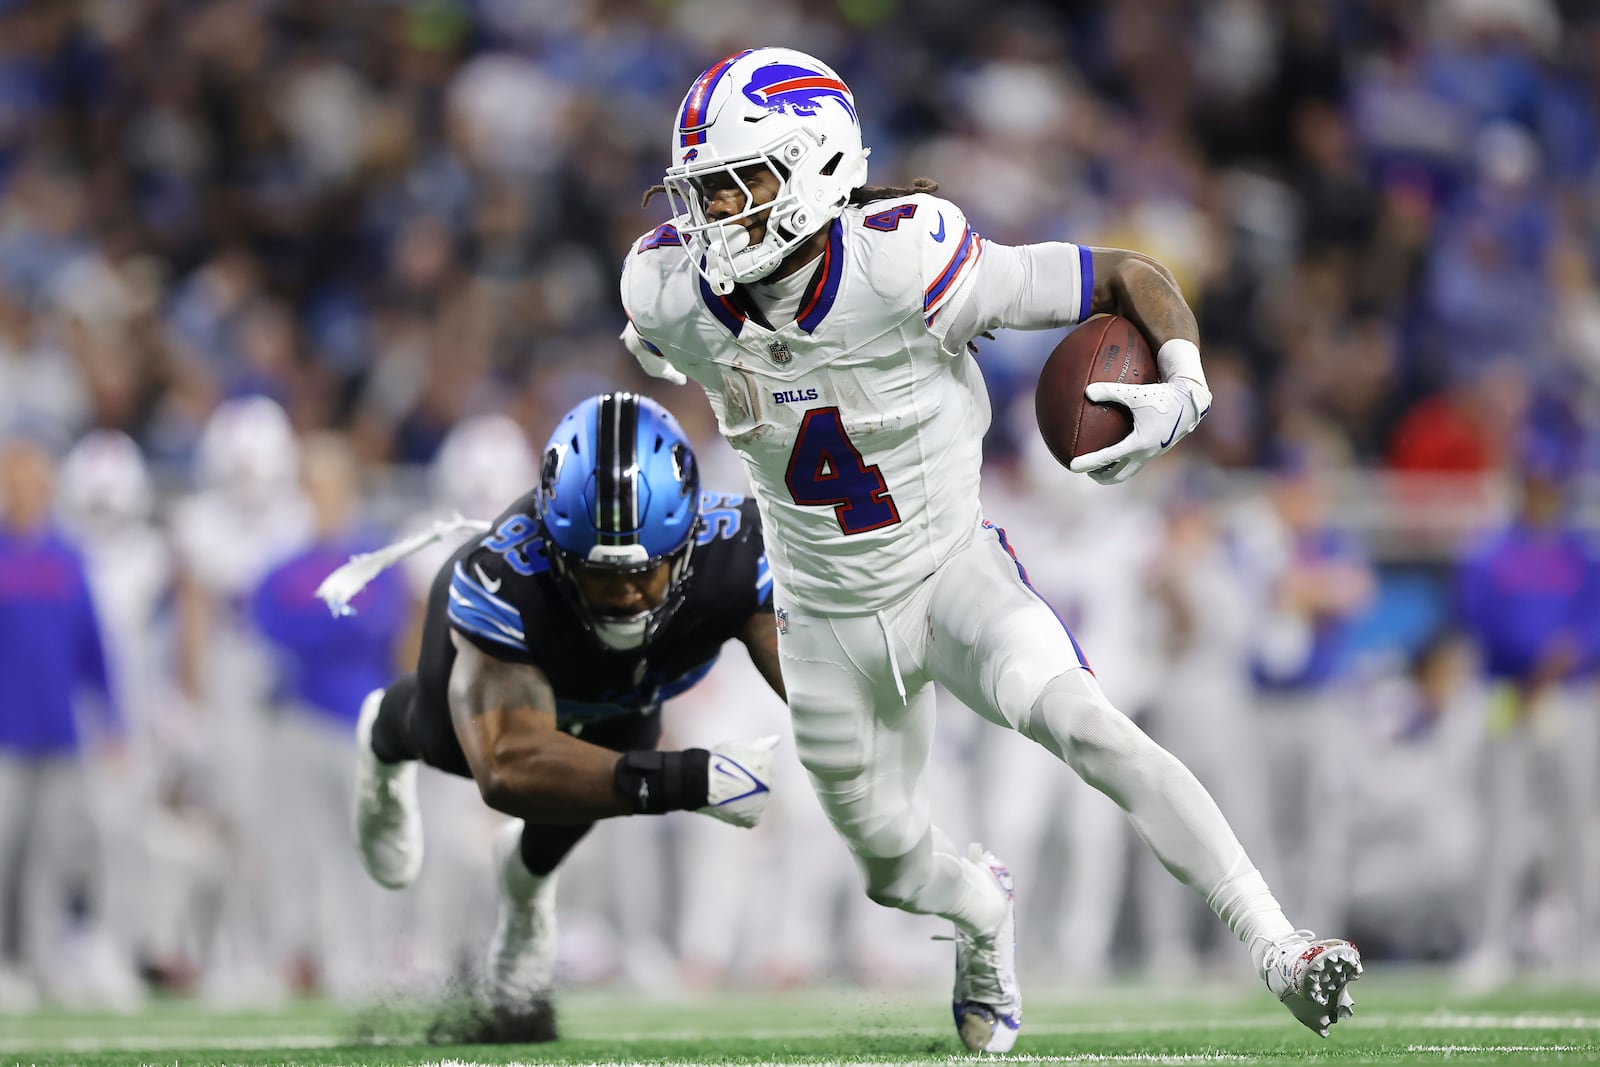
(1073, 719)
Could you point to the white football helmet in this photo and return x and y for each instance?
(484, 464)
(249, 450)
(105, 484)
(775, 106)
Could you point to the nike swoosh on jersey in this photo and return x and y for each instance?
(1165, 443)
(938, 235)
(483, 579)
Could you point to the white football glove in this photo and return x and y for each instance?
(654, 363)
(739, 780)
(1163, 414)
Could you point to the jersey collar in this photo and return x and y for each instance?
(735, 309)
(824, 287)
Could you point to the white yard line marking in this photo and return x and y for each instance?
(166, 1038)
(926, 1061)
(159, 1042)
(1445, 1020)
(1499, 1048)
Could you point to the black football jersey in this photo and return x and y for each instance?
(504, 598)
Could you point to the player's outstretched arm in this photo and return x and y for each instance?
(760, 637)
(505, 718)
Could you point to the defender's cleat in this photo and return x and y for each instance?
(388, 818)
(988, 1002)
(1310, 977)
(522, 956)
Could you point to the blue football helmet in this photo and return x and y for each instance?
(619, 493)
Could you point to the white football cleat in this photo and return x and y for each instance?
(1310, 977)
(522, 955)
(388, 817)
(987, 1001)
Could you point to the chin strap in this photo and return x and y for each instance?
(723, 247)
(732, 259)
(341, 587)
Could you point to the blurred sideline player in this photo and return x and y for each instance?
(327, 918)
(1313, 580)
(247, 514)
(549, 646)
(828, 324)
(107, 504)
(61, 723)
(1529, 598)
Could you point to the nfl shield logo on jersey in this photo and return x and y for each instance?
(783, 621)
(779, 351)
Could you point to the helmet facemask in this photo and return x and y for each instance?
(810, 195)
(619, 497)
(618, 632)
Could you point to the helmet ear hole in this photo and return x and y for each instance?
(833, 164)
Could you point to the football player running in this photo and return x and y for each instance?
(828, 323)
(549, 644)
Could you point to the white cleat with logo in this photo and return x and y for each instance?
(1310, 977)
(388, 817)
(522, 955)
(988, 1001)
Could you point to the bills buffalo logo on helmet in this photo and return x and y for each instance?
(787, 87)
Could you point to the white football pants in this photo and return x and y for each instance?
(863, 716)
(325, 906)
(1542, 806)
(47, 830)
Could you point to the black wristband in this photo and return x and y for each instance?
(656, 782)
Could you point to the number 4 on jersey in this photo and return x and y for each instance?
(825, 470)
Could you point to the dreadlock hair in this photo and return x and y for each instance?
(866, 194)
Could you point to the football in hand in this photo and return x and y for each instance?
(1106, 348)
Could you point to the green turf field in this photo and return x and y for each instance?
(1398, 1021)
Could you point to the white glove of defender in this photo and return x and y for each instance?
(1163, 414)
(739, 780)
(654, 364)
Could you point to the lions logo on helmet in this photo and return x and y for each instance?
(619, 494)
(765, 106)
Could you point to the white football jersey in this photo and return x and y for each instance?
(861, 433)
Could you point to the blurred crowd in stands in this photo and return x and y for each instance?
(281, 278)
(390, 215)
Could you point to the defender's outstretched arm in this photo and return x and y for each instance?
(505, 718)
